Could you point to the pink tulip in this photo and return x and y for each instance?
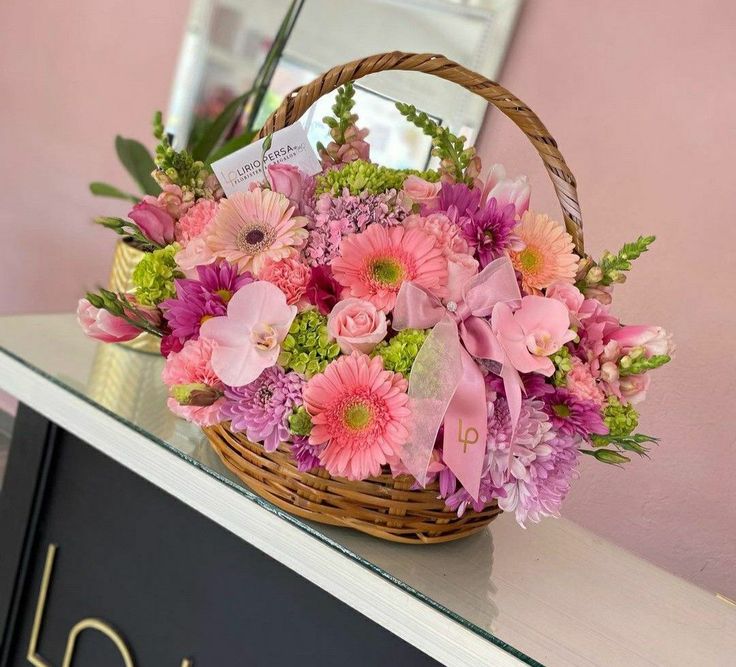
(506, 191)
(248, 339)
(539, 328)
(155, 223)
(654, 340)
(357, 325)
(101, 325)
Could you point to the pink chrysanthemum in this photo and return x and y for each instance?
(192, 366)
(358, 410)
(251, 227)
(548, 253)
(374, 264)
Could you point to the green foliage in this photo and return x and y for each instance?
(609, 270)
(606, 456)
(563, 363)
(121, 306)
(360, 176)
(449, 148)
(139, 163)
(343, 116)
(236, 143)
(217, 129)
(307, 348)
(100, 189)
(127, 229)
(154, 276)
(399, 353)
(300, 422)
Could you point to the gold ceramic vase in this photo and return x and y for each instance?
(124, 261)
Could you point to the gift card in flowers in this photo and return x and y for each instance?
(288, 146)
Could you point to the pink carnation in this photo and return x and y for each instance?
(192, 366)
(290, 275)
(194, 222)
(582, 384)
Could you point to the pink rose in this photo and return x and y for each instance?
(155, 223)
(568, 294)
(506, 191)
(291, 276)
(460, 269)
(196, 253)
(287, 180)
(101, 325)
(530, 334)
(356, 325)
(633, 388)
(654, 340)
(421, 191)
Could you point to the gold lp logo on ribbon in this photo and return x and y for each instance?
(85, 624)
(467, 437)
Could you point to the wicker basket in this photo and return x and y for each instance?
(385, 506)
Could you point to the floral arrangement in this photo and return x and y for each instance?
(376, 320)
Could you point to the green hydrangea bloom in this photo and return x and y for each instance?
(399, 353)
(360, 176)
(620, 419)
(563, 363)
(307, 348)
(154, 276)
(300, 423)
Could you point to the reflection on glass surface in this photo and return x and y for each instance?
(554, 592)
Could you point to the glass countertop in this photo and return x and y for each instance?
(553, 594)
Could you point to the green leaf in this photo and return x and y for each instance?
(236, 143)
(106, 190)
(214, 133)
(139, 163)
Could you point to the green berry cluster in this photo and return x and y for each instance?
(307, 348)
(360, 176)
(154, 276)
(562, 359)
(399, 353)
(619, 418)
(300, 422)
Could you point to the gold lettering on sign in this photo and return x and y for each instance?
(85, 624)
(465, 438)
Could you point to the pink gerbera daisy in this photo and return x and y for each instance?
(251, 227)
(357, 411)
(374, 263)
(548, 253)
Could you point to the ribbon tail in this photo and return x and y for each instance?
(437, 370)
(466, 428)
(513, 387)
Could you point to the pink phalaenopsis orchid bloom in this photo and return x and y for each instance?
(539, 328)
(101, 325)
(516, 191)
(155, 223)
(248, 339)
(654, 340)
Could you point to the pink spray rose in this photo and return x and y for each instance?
(568, 294)
(155, 223)
(289, 181)
(654, 340)
(530, 334)
(633, 388)
(290, 275)
(507, 191)
(101, 325)
(422, 192)
(356, 325)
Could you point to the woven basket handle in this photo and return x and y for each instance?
(299, 100)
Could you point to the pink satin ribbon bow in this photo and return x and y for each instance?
(446, 384)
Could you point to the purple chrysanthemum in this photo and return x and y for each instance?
(305, 455)
(199, 299)
(262, 407)
(490, 231)
(334, 217)
(573, 416)
(458, 201)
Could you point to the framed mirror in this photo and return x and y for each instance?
(226, 41)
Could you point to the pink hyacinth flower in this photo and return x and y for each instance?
(530, 334)
(248, 339)
(101, 325)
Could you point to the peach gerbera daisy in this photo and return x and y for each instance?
(374, 263)
(251, 227)
(548, 255)
(357, 411)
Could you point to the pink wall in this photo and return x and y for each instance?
(640, 97)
